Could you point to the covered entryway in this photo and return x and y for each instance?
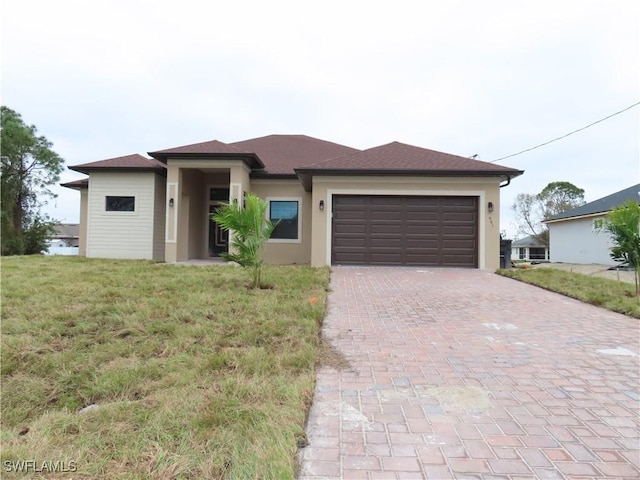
(405, 230)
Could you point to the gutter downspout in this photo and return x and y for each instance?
(506, 184)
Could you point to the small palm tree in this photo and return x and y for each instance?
(623, 223)
(250, 229)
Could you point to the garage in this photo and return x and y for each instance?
(405, 230)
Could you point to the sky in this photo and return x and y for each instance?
(103, 79)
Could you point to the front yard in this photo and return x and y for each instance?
(617, 296)
(193, 375)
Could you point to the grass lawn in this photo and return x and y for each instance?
(610, 294)
(194, 375)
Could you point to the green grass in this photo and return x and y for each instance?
(610, 294)
(195, 375)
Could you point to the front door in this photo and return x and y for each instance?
(218, 238)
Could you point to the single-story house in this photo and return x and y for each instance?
(529, 248)
(65, 239)
(67, 233)
(573, 237)
(395, 204)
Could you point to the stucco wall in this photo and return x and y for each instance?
(277, 252)
(121, 234)
(486, 189)
(82, 240)
(576, 241)
(159, 217)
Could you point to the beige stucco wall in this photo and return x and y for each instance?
(159, 217)
(287, 252)
(186, 226)
(486, 189)
(121, 234)
(187, 221)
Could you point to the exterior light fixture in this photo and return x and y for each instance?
(490, 207)
(171, 202)
(321, 205)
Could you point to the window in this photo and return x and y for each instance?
(522, 253)
(285, 213)
(219, 194)
(121, 204)
(537, 253)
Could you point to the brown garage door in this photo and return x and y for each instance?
(405, 230)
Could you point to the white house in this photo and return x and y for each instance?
(529, 248)
(573, 237)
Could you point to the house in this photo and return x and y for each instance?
(573, 237)
(395, 204)
(529, 248)
(65, 239)
(67, 233)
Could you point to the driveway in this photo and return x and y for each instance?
(454, 373)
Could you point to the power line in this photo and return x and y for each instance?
(570, 133)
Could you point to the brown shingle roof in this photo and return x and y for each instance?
(281, 154)
(290, 155)
(212, 146)
(401, 159)
(128, 162)
(77, 184)
(400, 156)
(210, 149)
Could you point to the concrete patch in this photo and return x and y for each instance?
(346, 412)
(500, 326)
(466, 398)
(618, 351)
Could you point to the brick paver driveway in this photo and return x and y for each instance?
(465, 374)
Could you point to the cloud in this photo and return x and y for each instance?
(103, 79)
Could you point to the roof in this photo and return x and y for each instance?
(282, 154)
(291, 156)
(77, 184)
(397, 158)
(210, 149)
(529, 241)
(602, 205)
(127, 162)
(67, 230)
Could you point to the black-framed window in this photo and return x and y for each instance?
(285, 213)
(120, 204)
(219, 194)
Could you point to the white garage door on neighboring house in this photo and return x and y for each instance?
(405, 230)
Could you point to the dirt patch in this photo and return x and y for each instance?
(330, 356)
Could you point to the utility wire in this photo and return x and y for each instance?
(570, 133)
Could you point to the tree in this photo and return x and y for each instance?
(250, 229)
(29, 168)
(555, 198)
(558, 197)
(623, 223)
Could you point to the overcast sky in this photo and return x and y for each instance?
(102, 79)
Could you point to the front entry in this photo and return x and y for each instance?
(218, 238)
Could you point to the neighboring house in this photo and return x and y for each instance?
(529, 248)
(65, 239)
(573, 237)
(395, 204)
(67, 233)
